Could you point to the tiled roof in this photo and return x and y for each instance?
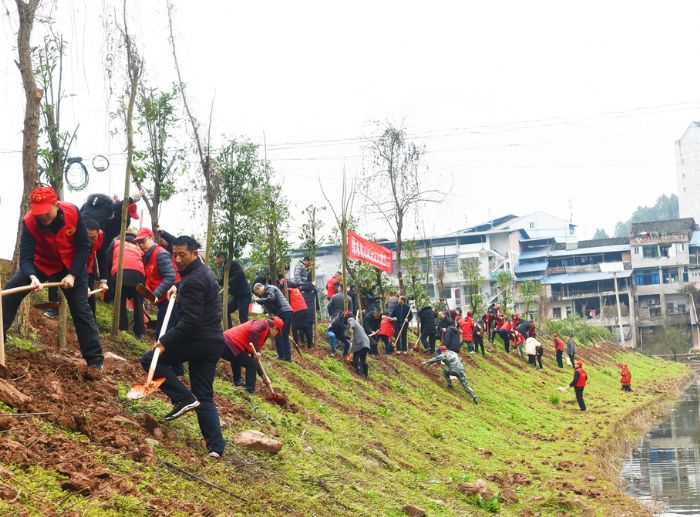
(669, 227)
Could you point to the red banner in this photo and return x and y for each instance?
(367, 251)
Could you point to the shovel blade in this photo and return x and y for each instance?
(140, 390)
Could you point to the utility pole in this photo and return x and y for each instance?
(619, 310)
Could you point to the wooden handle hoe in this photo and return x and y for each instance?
(29, 287)
(267, 380)
(138, 391)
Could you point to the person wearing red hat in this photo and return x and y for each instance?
(161, 273)
(108, 212)
(133, 274)
(54, 246)
(625, 377)
(559, 347)
(579, 383)
(243, 345)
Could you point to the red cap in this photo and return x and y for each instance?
(143, 234)
(278, 323)
(443, 348)
(42, 199)
(555, 335)
(133, 211)
(579, 364)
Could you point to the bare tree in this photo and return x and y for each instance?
(134, 71)
(209, 173)
(33, 96)
(394, 187)
(343, 220)
(30, 138)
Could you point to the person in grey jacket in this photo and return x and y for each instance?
(301, 271)
(359, 347)
(335, 305)
(453, 367)
(275, 304)
(571, 350)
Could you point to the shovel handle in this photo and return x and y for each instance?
(262, 370)
(152, 368)
(29, 287)
(95, 291)
(166, 319)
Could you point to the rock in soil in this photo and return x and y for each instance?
(257, 441)
(8, 493)
(78, 483)
(413, 511)
(477, 487)
(11, 395)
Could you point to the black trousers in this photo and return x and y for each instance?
(202, 368)
(373, 342)
(284, 349)
(83, 319)
(401, 338)
(505, 336)
(479, 342)
(359, 359)
(388, 349)
(573, 362)
(238, 362)
(129, 291)
(560, 358)
(539, 361)
(531, 360)
(428, 341)
(301, 330)
(579, 398)
(237, 305)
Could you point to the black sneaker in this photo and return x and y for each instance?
(94, 371)
(182, 407)
(476, 400)
(51, 313)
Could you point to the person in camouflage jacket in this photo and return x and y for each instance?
(453, 367)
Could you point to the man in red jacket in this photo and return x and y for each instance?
(243, 345)
(559, 347)
(579, 383)
(133, 274)
(54, 246)
(161, 274)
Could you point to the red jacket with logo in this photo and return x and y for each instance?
(133, 258)
(386, 327)
(467, 327)
(153, 275)
(296, 299)
(580, 380)
(54, 252)
(238, 338)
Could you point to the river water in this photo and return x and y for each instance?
(664, 467)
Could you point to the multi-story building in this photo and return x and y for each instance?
(495, 244)
(688, 172)
(661, 264)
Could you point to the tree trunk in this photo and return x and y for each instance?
(210, 222)
(399, 245)
(227, 266)
(30, 139)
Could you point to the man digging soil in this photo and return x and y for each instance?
(54, 246)
(197, 338)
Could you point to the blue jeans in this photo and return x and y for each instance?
(333, 339)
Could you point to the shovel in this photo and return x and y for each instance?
(138, 391)
(146, 293)
(267, 380)
(30, 287)
(94, 292)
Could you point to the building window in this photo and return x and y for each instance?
(647, 277)
(532, 225)
(670, 275)
(665, 250)
(650, 251)
(635, 250)
(681, 247)
(556, 313)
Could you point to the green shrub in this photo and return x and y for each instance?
(582, 332)
(554, 398)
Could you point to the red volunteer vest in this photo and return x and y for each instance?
(54, 251)
(133, 258)
(330, 287)
(239, 336)
(626, 376)
(386, 327)
(296, 300)
(96, 246)
(558, 344)
(582, 377)
(153, 275)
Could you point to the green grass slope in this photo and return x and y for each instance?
(351, 447)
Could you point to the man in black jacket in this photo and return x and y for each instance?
(196, 338)
(371, 323)
(428, 328)
(401, 315)
(239, 293)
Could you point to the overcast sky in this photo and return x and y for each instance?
(522, 106)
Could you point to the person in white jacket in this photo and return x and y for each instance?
(531, 345)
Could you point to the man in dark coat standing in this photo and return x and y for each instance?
(401, 316)
(239, 293)
(428, 328)
(196, 338)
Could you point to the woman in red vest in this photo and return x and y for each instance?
(301, 328)
(133, 274)
(54, 246)
(243, 345)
